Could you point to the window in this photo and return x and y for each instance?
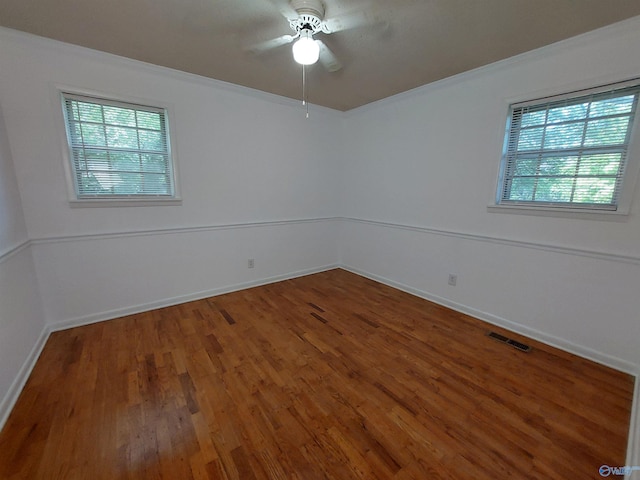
(569, 151)
(118, 150)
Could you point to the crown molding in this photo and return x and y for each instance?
(41, 43)
(624, 27)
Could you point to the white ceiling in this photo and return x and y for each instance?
(414, 42)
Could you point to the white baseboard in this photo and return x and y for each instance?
(7, 403)
(167, 302)
(562, 344)
(633, 444)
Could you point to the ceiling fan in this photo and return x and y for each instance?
(306, 19)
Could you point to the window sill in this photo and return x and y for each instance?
(124, 202)
(561, 212)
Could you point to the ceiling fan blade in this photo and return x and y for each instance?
(262, 47)
(327, 58)
(353, 20)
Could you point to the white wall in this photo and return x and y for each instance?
(256, 180)
(89, 278)
(21, 316)
(411, 176)
(429, 159)
(243, 156)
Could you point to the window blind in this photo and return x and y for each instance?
(570, 151)
(117, 149)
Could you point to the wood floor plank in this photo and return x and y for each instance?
(328, 376)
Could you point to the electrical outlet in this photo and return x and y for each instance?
(453, 279)
(250, 263)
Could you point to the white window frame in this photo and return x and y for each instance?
(630, 175)
(58, 97)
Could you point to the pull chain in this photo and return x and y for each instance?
(304, 89)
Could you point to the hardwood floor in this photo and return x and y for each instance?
(329, 376)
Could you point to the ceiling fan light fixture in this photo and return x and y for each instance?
(306, 50)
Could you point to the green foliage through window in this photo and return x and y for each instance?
(117, 149)
(570, 152)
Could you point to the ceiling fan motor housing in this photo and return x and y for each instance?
(310, 15)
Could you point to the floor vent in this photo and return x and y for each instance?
(515, 344)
